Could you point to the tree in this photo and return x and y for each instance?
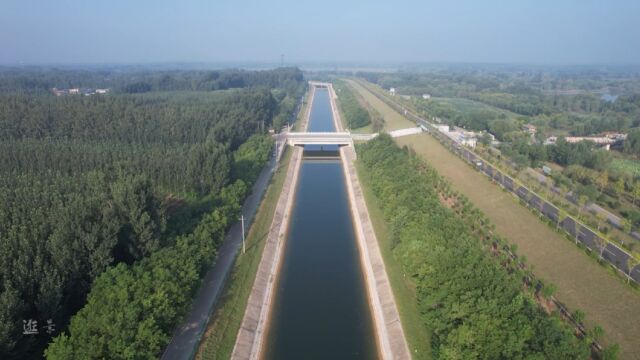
(632, 262)
(635, 191)
(548, 290)
(561, 216)
(618, 186)
(602, 180)
(579, 316)
(602, 219)
(485, 139)
(581, 202)
(141, 214)
(626, 225)
(632, 142)
(601, 244)
(610, 352)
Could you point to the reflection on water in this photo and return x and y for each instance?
(320, 309)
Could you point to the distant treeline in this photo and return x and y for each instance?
(105, 194)
(130, 81)
(533, 94)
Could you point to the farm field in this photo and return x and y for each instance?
(466, 106)
(582, 283)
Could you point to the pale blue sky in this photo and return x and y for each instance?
(143, 31)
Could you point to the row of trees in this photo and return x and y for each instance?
(473, 304)
(131, 181)
(355, 114)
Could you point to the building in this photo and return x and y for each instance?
(426, 96)
(392, 91)
(79, 91)
(470, 141)
(443, 128)
(605, 140)
(530, 129)
(459, 135)
(59, 92)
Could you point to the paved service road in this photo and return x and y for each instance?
(187, 336)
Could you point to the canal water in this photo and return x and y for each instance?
(320, 307)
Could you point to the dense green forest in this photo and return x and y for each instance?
(134, 184)
(472, 296)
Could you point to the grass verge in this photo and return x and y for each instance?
(417, 335)
(219, 338)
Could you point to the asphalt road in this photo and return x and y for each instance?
(187, 336)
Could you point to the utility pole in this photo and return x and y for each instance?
(244, 249)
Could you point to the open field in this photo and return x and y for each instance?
(467, 106)
(392, 120)
(219, 339)
(582, 283)
(417, 335)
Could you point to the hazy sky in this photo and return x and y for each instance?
(143, 31)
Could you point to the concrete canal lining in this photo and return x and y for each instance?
(392, 343)
(388, 330)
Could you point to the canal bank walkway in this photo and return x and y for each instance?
(254, 323)
(250, 336)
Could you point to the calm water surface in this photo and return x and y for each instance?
(320, 306)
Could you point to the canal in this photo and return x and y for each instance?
(320, 308)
